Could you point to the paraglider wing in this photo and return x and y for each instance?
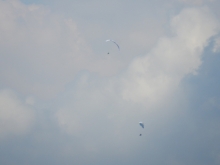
(114, 43)
(141, 124)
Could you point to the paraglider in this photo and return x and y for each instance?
(141, 124)
(114, 43)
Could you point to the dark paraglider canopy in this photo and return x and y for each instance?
(141, 124)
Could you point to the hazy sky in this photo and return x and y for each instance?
(65, 100)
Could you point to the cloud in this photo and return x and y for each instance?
(16, 117)
(216, 47)
(156, 75)
(40, 51)
(196, 2)
(99, 110)
(93, 118)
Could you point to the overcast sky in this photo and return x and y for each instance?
(69, 97)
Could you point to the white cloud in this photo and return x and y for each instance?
(150, 81)
(16, 117)
(40, 51)
(97, 110)
(156, 75)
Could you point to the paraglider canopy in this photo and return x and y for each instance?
(141, 124)
(113, 42)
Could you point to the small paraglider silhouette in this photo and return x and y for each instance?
(142, 125)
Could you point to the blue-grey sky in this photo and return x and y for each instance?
(65, 100)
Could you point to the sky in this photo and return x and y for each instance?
(69, 97)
